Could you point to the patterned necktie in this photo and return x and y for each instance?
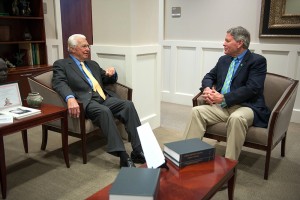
(96, 85)
(226, 86)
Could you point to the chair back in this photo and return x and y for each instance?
(280, 95)
(45, 78)
(42, 83)
(275, 87)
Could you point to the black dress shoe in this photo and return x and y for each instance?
(127, 163)
(138, 157)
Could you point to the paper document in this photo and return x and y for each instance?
(152, 151)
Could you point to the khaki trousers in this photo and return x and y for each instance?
(237, 119)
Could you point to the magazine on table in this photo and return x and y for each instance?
(11, 102)
(6, 119)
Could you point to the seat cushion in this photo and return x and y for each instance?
(255, 134)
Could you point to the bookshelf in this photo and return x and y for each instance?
(24, 41)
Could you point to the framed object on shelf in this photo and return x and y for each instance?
(280, 18)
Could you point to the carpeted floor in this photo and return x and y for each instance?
(43, 174)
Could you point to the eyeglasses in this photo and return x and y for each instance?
(85, 46)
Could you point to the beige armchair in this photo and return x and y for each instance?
(280, 94)
(80, 127)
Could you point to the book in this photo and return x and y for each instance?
(135, 183)
(37, 47)
(27, 49)
(190, 149)
(189, 162)
(11, 103)
(19, 112)
(6, 119)
(33, 50)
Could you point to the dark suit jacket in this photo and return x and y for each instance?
(247, 84)
(69, 80)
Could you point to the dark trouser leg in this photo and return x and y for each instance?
(102, 116)
(125, 111)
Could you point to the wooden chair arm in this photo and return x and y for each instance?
(197, 99)
(123, 91)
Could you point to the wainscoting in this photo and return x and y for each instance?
(184, 63)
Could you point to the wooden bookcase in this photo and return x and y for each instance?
(17, 43)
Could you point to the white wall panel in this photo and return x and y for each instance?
(139, 68)
(53, 31)
(199, 57)
(277, 61)
(185, 68)
(116, 61)
(296, 114)
(210, 58)
(166, 70)
(147, 95)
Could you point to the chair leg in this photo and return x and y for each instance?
(83, 146)
(283, 145)
(44, 137)
(25, 140)
(267, 164)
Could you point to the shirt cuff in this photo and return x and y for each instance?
(68, 97)
(223, 103)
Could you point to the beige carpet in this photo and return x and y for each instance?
(43, 175)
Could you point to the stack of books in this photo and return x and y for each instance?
(186, 152)
(135, 183)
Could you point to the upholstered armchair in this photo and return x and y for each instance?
(280, 94)
(77, 127)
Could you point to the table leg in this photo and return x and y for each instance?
(231, 185)
(25, 140)
(64, 135)
(2, 168)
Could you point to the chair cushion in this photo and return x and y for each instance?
(255, 134)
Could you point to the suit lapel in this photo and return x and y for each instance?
(242, 64)
(75, 68)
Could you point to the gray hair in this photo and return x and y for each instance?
(72, 41)
(240, 34)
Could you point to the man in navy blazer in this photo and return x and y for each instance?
(241, 104)
(74, 84)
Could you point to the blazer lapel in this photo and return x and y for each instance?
(242, 64)
(75, 68)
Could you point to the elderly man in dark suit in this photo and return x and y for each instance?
(78, 78)
(233, 91)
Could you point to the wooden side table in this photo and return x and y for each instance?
(48, 113)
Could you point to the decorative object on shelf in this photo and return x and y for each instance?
(34, 99)
(19, 58)
(9, 64)
(20, 7)
(15, 8)
(27, 36)
(24, 8)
